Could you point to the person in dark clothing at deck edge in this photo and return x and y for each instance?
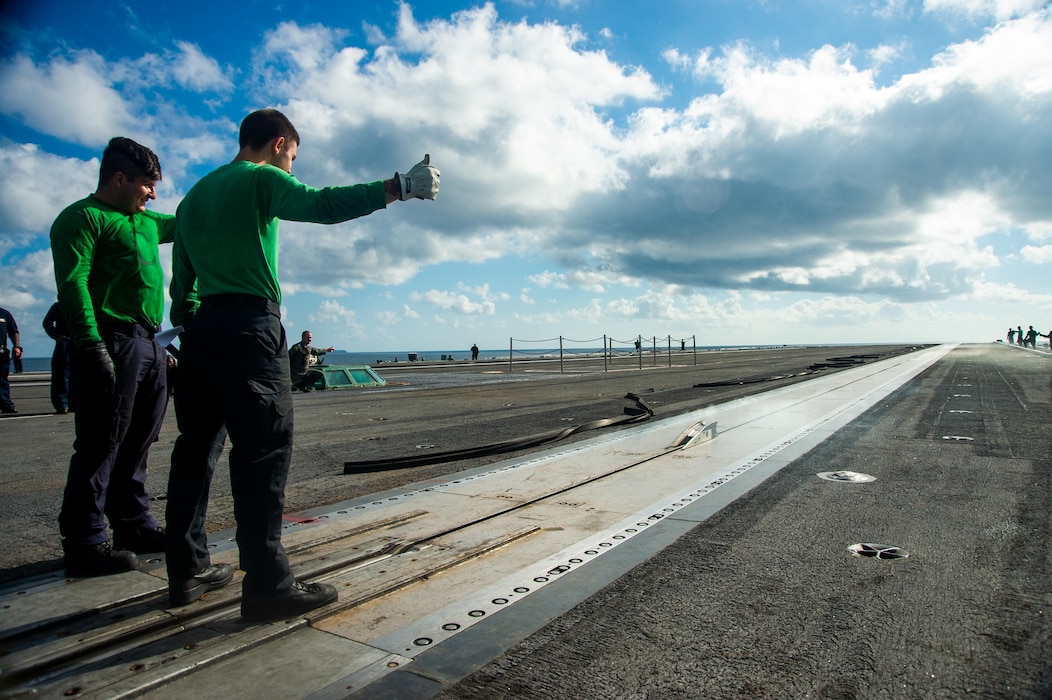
(8, 329)
(225, 293)
(58, 330)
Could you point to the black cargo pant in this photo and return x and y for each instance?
(250, 396)
(5, 385)
(115, 428)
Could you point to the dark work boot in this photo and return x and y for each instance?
(142, 541)
(97, 560)
(298, 599)
(211, 579)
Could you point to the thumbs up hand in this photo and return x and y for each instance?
(421, 182)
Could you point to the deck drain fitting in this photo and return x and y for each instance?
(853, 477)
(877, 551)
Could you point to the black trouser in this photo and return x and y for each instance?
(60, 375)
(107, 473)
(5, 385)
(251, 397)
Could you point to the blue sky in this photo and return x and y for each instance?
(827, 171)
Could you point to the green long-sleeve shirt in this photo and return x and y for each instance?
(107, 266)
(227, 233)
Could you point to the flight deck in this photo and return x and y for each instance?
(443, 580)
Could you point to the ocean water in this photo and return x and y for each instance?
(342, 357)
(34, 364)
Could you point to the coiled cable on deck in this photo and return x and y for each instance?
(750, 380)
(632, 414)
(830, 363)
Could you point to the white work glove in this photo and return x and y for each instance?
(421, 181)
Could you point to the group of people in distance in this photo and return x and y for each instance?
(1016, 336)
(225, 293)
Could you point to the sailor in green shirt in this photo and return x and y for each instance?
(111, 291)
(229, 235)
(107, 266)
(225, 292)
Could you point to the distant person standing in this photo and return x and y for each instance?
(303, 356)
(8, 330)
(1019, 335)
(225, 293)
(1031, 338)
(111, 291)
(56, 328)
(474, 351)
(1011, 336)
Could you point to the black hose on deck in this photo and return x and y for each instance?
(632, 414)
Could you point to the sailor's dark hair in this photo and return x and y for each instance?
(263, 126)
(122, 155)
